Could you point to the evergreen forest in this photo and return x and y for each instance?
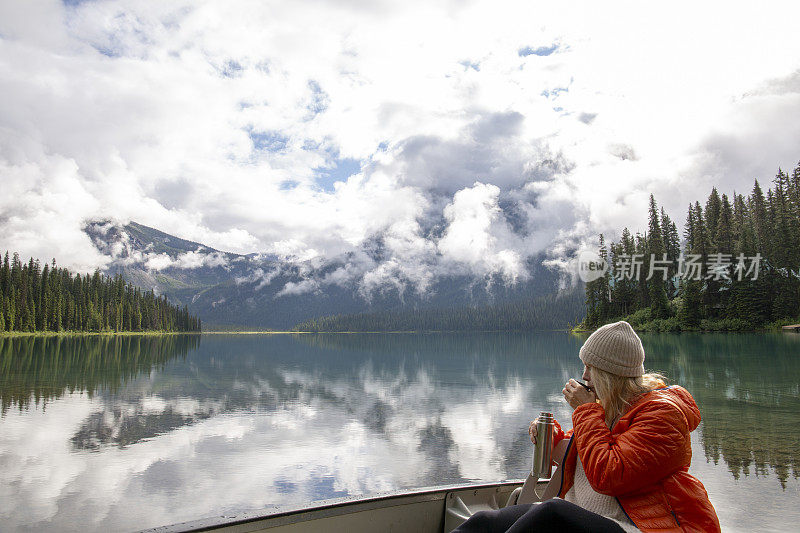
(552, 311)
(736, 268)
(50, 298)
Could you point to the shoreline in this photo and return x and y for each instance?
(9, 334)
(93, 333)
(12, 334)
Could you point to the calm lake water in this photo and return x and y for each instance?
(125, 433)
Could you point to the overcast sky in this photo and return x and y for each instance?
(465, 134)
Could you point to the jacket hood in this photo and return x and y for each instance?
(682, 399)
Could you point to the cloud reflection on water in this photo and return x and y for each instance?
(251, 423)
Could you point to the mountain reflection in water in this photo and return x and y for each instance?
(182, 428)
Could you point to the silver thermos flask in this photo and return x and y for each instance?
(543, 449)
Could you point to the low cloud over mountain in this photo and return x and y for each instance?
(330, 136)
(269, 291)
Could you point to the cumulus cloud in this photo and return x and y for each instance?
(316, 130)
(299, 287)
(118, 248)
(259, 277)
(477, 233)
(188, 260)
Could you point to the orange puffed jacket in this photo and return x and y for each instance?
(643, 461)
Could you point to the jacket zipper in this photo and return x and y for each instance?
(678, 522)
(616, 498)
(624, 511)
(669, 506)
(564, 460)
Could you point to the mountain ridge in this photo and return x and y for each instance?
(260, 291)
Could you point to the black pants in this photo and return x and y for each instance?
(557, 516)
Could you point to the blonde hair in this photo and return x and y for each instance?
(617, 393)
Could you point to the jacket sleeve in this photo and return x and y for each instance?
(558, 433)
(558, 436)
(655, 444)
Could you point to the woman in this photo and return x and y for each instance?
(626, 462)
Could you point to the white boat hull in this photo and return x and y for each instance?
(433, 510)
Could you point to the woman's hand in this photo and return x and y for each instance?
(532, 430)
(576, 394)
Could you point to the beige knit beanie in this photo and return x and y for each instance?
(615, 348)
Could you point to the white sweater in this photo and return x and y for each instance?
(581, 493)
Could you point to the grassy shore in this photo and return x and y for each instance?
(265, 332)
(293, 331)
(397, 332)
(255, 332)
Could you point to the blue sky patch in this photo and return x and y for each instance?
(264, 66)
(231, 69)
(319, 99)
(541, 51)
(269, 141)
(341, 170)
(311, 145)
(107, 51)
(554, 92)
(474, 65)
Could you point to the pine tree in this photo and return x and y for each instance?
(758, 210)
(703, 248)
(57, 318)
(659, 306)
(604, 285)
(689, 312)
(785, 286)
(793, 208)
(672, 247)
(713, 208)
(5, 276)
(724, 234)
(742, 231)
(597, 304)
(779, 213)
(624, 289)
(11, 310)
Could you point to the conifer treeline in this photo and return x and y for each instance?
(51, 298)
(550, 311)
(731, 293)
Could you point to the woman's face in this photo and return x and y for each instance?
(587, 375)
